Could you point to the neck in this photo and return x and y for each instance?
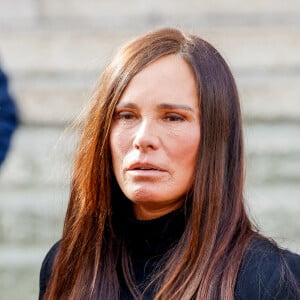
(150, 211)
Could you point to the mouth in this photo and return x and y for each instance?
(144, 167)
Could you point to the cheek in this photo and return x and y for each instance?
(186, 156)
(187, 146)
(119, 143)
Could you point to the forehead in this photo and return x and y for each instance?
(169, 78)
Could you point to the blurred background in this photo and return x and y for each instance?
(53, 52)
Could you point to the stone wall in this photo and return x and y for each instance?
(54, 52)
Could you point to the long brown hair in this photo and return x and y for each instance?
(206, 260)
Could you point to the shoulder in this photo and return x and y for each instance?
(3, 79)
(46, 268)
(268, 272)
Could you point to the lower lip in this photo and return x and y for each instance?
(146, 173)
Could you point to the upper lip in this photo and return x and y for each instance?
(144, 165)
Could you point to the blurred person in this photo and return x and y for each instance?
(8, 116)
(156, 208)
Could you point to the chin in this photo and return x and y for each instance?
(144, 197)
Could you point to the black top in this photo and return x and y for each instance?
(148, 241)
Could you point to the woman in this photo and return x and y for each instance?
(156, 207)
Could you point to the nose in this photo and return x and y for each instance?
(146, 136)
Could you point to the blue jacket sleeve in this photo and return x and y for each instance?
(8, 116)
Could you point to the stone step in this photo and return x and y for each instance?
(71, 8)
(54, 101)
(43, 155)
(38, 210)
(58, 100)
(19, 283)
(271, 168)
(39, 156)
(274, 208)
(268, 50)
(138, 13)
(22, 11)
(16, 256)
(269, 98)
(272, 153)
(273, 138)
(40, 213)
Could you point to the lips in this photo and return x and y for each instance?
(139, 166)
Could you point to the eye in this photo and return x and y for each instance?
(174, 117)
(124, 115)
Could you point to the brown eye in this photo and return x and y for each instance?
(174, 117)
(125, 115)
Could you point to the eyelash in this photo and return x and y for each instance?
(169, 117)
(124, 115)
(174, 117)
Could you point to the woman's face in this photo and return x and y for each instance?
(155, 137)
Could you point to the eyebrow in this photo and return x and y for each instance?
(126, 104)
(175, 106)
(160, 106)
